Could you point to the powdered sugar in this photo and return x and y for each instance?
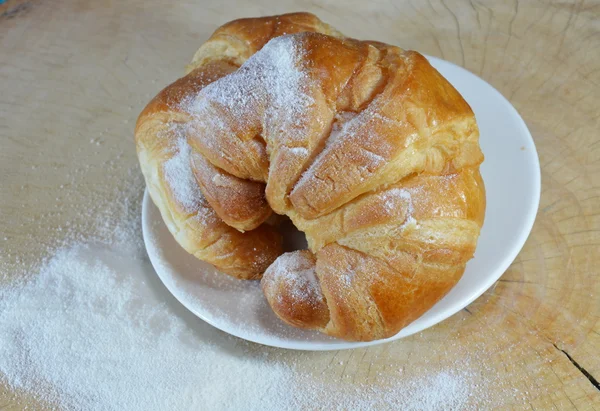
(221, 180)
(269, 92)
(93, 330)
(179, 176)
(297, 270)
(389, 197)
(299, 151)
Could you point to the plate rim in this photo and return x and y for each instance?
(475, 293)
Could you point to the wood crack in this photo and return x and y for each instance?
(582, 370)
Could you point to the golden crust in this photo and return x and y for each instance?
(365, 146)
(195, 224)
(240, 203)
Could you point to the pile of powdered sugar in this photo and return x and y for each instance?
(92, 330)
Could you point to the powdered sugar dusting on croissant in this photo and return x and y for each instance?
(269, 78)
(299, 269)
(180, 177)
(390, 204)
(296, 271)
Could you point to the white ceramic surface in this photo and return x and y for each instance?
(511, 173)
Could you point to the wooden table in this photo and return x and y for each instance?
(75, 74)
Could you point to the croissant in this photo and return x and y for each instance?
(364, 146)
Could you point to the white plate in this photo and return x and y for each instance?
(511, 173)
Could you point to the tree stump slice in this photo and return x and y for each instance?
(535, 333)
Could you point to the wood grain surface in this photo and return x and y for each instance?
(75, 74)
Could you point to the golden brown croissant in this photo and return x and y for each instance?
(364, 146)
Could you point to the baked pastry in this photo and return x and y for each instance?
(364, 146)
